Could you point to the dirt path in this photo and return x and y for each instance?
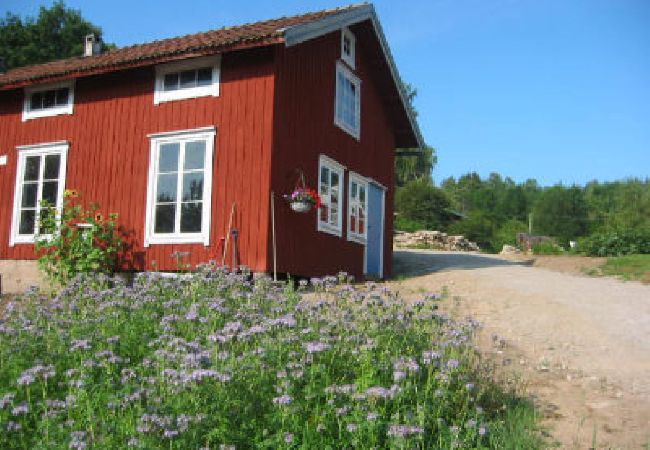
(580, 344)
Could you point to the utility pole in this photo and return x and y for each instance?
(530, 223)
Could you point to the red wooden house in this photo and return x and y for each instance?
(189, 137)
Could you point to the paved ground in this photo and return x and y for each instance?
(581, 345)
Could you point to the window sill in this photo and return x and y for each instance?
(352, 132)
(358, 238)
(210, 91)
(175, 239)
(329, 229)
(30, 115)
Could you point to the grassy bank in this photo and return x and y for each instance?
(631, 267)
(218, 361)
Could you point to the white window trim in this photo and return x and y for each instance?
(203, 237)
(28, 114)
(60, 147)
(161, 96)
(337, 167)
(342, 68)
(351, 58)
(361, 181)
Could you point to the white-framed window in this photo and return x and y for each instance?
(192, 78)
(347, 109)
(348, 47)
(357, 208)
(48, 100)
(330, 189)
(180, 187)
(40, 181)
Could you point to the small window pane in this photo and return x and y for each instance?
(52, 163)
(191, 217)
(50, 189)
(353, 190)
(49, 99)
(324, 180)
(27, 222)
(30, 191)
(335, 181)
(167, 187)
(362, 194)
(36, 101)
(204, 76)
(32, 167)
(62, 96)
(165, 218)
(188, 79)
(170, 82)
(193, 186)
(168, 160)
(194, 155)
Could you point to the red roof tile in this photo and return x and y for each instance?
(216, 41)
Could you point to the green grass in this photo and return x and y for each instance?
(631, 267)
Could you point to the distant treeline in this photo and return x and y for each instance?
(493, 210)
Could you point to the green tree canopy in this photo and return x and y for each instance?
(421, 205)
(58, 32)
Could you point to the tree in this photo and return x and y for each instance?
(421, 205)
(561, 213)
(58, 32)
(413, 163)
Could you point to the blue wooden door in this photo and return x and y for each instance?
(375, 237)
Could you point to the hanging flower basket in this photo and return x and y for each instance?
(301, 206)
(302, 199)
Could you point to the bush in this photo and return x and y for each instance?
(616, 243)
(547, 248)
(419, 202)
(215, 359)
(67, 249)
(507, 234)
(477, 227)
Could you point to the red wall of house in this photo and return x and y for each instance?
(304, 128)
(109, 151)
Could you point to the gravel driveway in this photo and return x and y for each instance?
(581, 345)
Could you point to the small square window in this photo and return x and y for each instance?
(52, 100)
(348, 47)
(187, 79)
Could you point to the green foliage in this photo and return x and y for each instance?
(406, 224)
(214, 359)
(562, 213)
(414, 164)
(616, 242)
(506, 234)
(547, 248)
(421, 203)
(478, 227)
(67, 249)
(57, 33)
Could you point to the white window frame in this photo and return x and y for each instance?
(351, 57)
(347, 73)
(161, 96)
(29, 114)
(339, 169)
(157, 139)
(360, 238)
(50, 148)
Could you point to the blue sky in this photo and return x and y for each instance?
(557, 90)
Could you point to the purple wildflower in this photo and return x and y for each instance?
(21, 409)
(403, 431)
(288, 438)
(283, 400)
(316, 347)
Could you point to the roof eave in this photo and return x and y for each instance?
(297, 34)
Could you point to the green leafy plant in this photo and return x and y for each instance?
(547, 248)
(78, 240)
(616, 243)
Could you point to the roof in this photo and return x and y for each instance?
(287, 30)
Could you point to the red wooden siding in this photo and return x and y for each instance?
(303, 129)
(109, 150)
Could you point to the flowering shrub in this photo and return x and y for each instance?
(80, 240)
(304, 195)
(212, 360)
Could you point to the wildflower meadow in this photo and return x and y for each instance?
(218, 360)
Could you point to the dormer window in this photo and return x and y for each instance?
(50, 100)
(187, 79)
(348, 44)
